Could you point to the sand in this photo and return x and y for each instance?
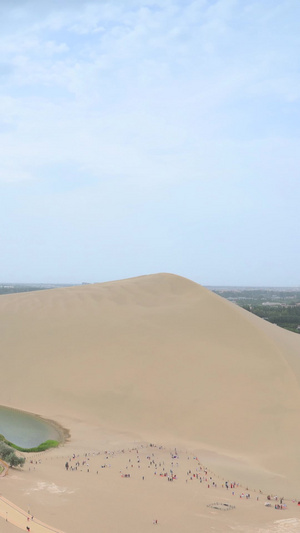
(152, 360)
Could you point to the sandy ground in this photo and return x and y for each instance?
(154, 360)
(128, 489)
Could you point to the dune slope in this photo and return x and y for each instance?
(155, 356)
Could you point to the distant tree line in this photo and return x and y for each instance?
(286, 317)
(284, 308)
(6, 288)
(258, 293)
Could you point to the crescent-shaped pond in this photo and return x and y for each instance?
(25, 429)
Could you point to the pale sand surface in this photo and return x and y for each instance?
(157, 359)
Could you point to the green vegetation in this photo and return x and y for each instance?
(287, 317)
(8, 455)
(280, 306)
(41, 448)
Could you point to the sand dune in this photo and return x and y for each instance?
(158, 358)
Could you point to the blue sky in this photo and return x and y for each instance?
(150, 136)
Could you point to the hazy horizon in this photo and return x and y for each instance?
(211, 287)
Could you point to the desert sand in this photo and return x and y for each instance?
(169, 393)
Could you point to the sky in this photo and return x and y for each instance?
(145, 136)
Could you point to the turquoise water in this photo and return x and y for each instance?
(25, 429)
